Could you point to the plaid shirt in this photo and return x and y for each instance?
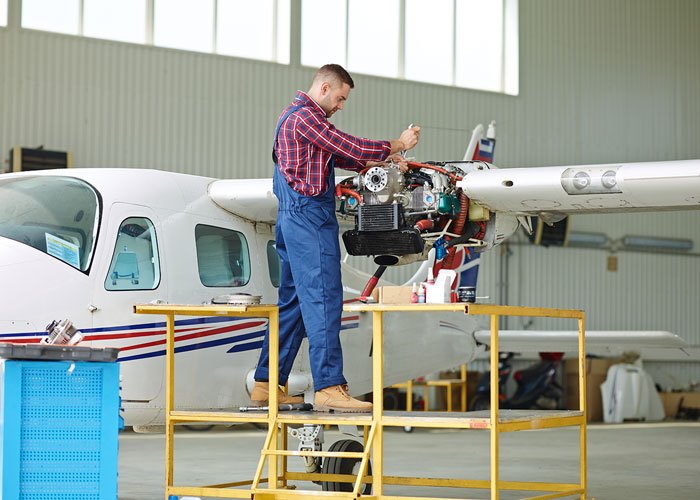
(307, 142)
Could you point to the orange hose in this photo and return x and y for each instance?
(463, 211)
(348, 192)
(424, 224)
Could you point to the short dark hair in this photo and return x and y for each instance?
(336, 73)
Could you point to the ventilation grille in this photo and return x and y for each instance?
(404, 242)
(378, 217)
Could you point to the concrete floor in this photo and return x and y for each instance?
(627, 461)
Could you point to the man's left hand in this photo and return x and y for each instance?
(397, 159)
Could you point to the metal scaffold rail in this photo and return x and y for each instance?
(275, 453)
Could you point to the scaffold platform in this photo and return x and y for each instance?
(274, 454)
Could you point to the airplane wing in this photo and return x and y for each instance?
(251, 199)
(561, 191)
(601, 342)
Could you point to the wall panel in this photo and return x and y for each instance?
(600, 80)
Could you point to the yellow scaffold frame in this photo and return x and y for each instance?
(494, 420)
(173, 417)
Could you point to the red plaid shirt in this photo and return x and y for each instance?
(307, 142)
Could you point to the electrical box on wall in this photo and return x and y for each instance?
(29, 159)
(556, 235)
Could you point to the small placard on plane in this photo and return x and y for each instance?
(63, 249)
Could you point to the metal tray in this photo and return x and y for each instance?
(47, 352)
(242, 299)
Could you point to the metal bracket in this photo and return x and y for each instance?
(310, 438)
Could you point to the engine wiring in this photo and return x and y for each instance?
(415, 165)
(399, 216)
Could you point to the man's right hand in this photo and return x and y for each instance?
(410, 137)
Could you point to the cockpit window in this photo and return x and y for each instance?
(56, 215)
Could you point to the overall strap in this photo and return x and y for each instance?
(277, 130)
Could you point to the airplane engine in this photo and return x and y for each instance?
(399, 216)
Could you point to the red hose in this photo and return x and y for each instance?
(424, 224)
(459, 227)
(371, 283)
(415, 165)
(463, 212)
(339, 191)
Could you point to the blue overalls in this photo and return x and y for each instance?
(310, 292)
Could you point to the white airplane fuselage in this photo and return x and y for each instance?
(214, 356)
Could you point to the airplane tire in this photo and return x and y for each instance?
(479, 403)
(391, 401)
(337, 465)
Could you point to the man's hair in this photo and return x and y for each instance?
(333, 73)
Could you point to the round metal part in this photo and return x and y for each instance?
(376, 179)
(581, 180)
(609, 180)
(242, 299)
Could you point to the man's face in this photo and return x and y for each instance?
(333, 98)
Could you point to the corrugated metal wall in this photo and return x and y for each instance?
(600, 80)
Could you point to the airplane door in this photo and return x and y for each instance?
(130, 271)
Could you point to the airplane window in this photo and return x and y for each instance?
(222, 256)
(135, 264)
(53, 214)
(273, 263)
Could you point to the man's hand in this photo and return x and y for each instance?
(398, 160)
(408, 140)
(410, 137)
(395, 158)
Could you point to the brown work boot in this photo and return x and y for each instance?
(261, 395)
(337, 399)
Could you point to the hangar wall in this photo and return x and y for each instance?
(600, 81)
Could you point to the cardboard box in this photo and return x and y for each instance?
(596, 372)
(671, 401)
(394, 294)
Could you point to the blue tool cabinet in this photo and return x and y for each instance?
(59, 425)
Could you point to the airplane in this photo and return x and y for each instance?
(88, 244)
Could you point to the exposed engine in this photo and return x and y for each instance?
(399, 216)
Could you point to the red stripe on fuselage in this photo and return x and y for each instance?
(114, 336)
(215, 331)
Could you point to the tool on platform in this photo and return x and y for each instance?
(283, 407)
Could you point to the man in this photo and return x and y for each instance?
(306, 150)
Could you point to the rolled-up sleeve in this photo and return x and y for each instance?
(353, 152)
